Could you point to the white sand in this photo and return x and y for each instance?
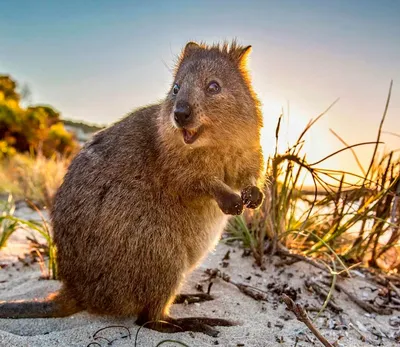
(262, 323)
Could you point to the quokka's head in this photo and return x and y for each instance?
(211, 101)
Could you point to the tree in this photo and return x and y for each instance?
(8, 87)
(32, 129)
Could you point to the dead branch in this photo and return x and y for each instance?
(253, 292)
(391, 285)
(363, 338)
(302, 316)
(286, 253)
(363, 304)
(323, 294)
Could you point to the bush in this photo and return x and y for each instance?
(33, 129)
(342, 222)
(33, 177)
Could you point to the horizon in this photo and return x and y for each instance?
(97, 61)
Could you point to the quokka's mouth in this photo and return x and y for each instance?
(191, 135)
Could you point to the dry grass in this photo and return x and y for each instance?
(343, 223)
(46, 253)
(35, 178)
(7, 226)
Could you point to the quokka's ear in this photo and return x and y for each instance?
(190, 48)
(240, 55)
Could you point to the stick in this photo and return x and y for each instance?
(363, 304)
(394, 288)
(300, 257)
(253, 292)
(323, 294)
(302, 316)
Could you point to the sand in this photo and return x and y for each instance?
(262, 323)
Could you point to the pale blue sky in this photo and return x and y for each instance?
(96, 60)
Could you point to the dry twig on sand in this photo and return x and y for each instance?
(298, 257)
(309, 283)
(302, 316)
(253, 292)
(361, 303)
(366, 306)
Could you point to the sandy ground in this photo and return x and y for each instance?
(262, 323)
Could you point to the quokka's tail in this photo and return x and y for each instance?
(55, 305)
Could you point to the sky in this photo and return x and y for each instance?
(98, 60)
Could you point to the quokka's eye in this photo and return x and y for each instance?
(175, 89)
(213, 87)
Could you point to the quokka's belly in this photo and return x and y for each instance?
(205, 235)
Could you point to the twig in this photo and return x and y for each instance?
(110, 327)
(371, 164)
(174, 341)
(394, 288)
(344, 149)
(109, 342)
(352, 151)
(386, 282)
(302, 316)
(363, 304)
(323, 294)
(363, 338)
(253, 292)
(209, 288)
(300, 257)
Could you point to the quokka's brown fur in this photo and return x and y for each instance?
(139, 208)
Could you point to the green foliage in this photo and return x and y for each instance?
(10, 224)
(32, 129)
(43, 229)
(8, 88)
(7, 226)
(6, 150)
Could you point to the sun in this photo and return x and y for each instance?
(317, 142)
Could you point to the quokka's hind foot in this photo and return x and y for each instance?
(194, 324)
(192, 298)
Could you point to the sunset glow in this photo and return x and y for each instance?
(99, 63)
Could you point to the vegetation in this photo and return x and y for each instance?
(7, 226)
(33, 177)
(344, 224)
(35, 151)
(10, 224)
(35, 147)
(30, 130)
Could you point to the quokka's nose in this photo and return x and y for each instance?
(182, 113)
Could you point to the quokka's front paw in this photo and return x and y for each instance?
(231, 204)
(252, 197)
